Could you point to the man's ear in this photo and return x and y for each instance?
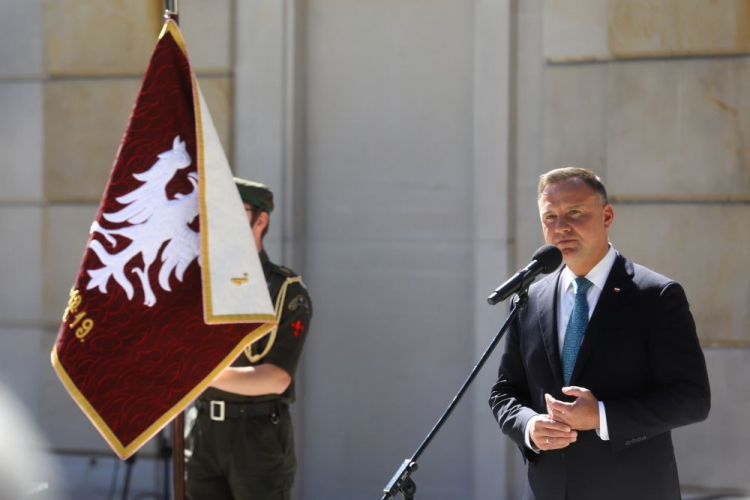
(609, 215)
(262, 221)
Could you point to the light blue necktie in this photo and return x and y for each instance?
(579, 319)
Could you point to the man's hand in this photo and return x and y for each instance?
(582, 414)
(546, 434)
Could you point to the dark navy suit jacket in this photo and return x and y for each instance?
(640, 356)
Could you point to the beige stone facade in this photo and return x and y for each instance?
(403, 139)
(669, 136)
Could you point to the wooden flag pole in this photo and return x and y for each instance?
(178, 424)
(178, 456)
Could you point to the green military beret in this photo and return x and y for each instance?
(255, 193)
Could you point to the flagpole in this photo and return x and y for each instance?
(178, 456)
(171, 11)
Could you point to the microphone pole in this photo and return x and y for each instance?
(402, 482)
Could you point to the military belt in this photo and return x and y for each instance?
(219, 411)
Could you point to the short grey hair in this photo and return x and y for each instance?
(563, 174)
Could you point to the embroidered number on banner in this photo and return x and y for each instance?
(74, 302)
(84, 329)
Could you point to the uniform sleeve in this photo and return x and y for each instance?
(293, 329)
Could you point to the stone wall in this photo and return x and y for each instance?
(403, 139)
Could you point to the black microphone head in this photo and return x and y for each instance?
(548, 255)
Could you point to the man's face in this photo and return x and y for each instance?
(260, 224)
(574, 220)
(248, 212)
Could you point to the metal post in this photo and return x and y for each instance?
(172, 10)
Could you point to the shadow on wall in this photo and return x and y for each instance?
(25, 468)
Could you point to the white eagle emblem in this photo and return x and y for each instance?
(154, 219)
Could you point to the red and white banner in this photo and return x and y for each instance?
(170, 289)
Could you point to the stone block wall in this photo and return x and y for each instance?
(405, 139)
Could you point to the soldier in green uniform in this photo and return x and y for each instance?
(241, 445)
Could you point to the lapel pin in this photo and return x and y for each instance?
(617, 290)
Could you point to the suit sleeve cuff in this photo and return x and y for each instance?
(603, 430)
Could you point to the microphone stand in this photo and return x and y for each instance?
(402, 482)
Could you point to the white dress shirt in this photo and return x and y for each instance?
(566, 293)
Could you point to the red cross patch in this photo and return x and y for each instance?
(298, 328)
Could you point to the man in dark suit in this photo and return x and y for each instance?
(601, 364)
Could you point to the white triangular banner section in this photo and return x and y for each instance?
(237, 290)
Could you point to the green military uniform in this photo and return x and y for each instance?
(242, 447)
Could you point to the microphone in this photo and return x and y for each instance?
(545, 260)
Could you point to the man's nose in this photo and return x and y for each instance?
(561, 225)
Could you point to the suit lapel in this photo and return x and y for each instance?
(616, 286)
(546, 307)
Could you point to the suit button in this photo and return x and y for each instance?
(643, 438)
(628, 442)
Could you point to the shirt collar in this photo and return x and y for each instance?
(598, 275)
